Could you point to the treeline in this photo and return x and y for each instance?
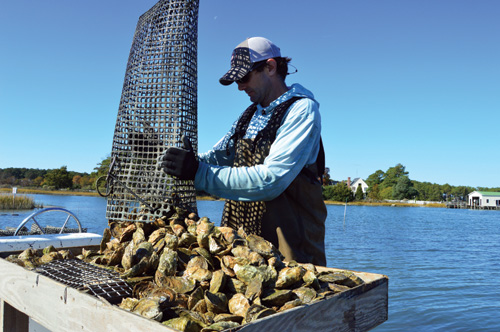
(395, 184)
(59, 178)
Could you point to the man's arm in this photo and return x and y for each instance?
(296, 145)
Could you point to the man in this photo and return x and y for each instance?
(268, 166)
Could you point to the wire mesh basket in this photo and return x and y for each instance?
(88, 278)
(158, 104)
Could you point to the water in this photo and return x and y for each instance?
(90, 211)
(443, 264)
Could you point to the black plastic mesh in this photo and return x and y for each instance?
(86, 277)
(158, 105)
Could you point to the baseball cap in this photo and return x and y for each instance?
(246, 54)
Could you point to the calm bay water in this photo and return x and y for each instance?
(443, 265)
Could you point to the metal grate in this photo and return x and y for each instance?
(157, 106)
(87, 277)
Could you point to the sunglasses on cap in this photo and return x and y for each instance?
(256, 66)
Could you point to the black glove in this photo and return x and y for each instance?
(180, 163)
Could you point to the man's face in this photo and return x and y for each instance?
(257, 87)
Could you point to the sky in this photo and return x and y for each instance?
(398, 81)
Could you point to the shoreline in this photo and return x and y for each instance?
(23, 191)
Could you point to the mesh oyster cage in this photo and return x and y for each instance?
(158, 104)
(88, 278)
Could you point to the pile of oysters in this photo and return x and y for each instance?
(194, 276)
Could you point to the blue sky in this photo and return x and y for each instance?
(410, 82)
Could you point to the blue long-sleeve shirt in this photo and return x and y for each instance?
(296, 145)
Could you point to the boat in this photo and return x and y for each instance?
(39, 237)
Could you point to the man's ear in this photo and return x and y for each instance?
(272, 67)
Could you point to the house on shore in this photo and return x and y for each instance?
(484, 200)
(356, 182)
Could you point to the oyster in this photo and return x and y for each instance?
(345, 278)
(290, 276)
(171, 241)
(137, 269)
(228, 318)
(167, 265)
(254, 289)
(261, 246)
(277, 298)
(216, 302)
(106, 236)
(218, 281)
(49, 257)
(305, 294)
(238, 305)
(184, 324)
(257, 311)
(247, 273)
(220, 326)
(196, 296)
(149, 308)
(178, 284)
(128, 303)
(157, 235)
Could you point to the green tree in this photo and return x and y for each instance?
(392, 175)
(359, 195)
(461, 192)
(339, 193)
(375, 178)
(404, 189)
(59, 178)
(446, 190)
(102, 167)
(386, 193)
(326, 177)
(374, 192)
(38, 181)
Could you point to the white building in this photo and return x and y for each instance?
(484, 199)
(356, 182)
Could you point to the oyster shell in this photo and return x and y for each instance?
(184, 324)
(216, 302)
(220, 326)
(149, 308)
(290, 276)
(277, 298)
(238, 305)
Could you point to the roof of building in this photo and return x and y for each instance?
(488, 193)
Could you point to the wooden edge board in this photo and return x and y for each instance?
(358, 309)
(61, 308)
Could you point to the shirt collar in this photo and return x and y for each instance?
(269, 109)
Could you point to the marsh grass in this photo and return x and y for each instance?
(50, 192)
(400, 204)
(17, 202)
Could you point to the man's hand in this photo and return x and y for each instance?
(180, 163)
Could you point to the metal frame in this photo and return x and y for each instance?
(52, 209)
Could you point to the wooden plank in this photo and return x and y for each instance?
(11, 319)
(358, 309)
(60, 308)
